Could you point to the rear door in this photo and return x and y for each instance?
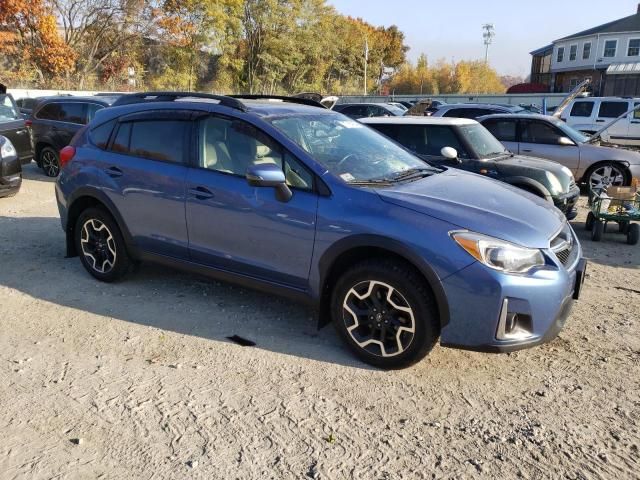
(244, 229)
(541, 139)
(610, 110)
(144, 171)
(13, 127)
(582, 116)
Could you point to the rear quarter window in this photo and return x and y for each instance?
(99, 136)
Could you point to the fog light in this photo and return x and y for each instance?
(513, 325)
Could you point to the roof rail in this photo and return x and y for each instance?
(284, 98)
(173, 96)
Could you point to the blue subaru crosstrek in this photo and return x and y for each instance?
(288, 197)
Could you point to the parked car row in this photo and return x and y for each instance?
(295, 199)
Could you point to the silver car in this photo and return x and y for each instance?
(548, 137)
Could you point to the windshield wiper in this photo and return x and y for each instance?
(372, 181)
(414, 173)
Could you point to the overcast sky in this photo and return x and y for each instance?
(452, 29)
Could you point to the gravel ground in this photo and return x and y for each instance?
(138, 380)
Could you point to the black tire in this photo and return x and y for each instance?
(403, 285)
(598, 230)
(623, 227)
(588, 225)
(49, 161)
(633, 234)
(101, 247)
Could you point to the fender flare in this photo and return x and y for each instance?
(530, 182)
(329, 257)
(100, 197)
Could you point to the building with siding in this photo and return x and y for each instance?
(608, 55)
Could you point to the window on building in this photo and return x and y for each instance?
(634, 47)
(573, 52)
(560, 56)
(610, 47)
(586, 51)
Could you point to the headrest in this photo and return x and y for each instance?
(262, 151)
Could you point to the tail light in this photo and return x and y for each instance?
(66, 154)
(28, 123)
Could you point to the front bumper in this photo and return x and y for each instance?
(568, 202)
(10, 184)
(478, 297)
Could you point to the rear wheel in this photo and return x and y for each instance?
(49, 161)
(633, 234)
(385, 312)
(598, 230)
(100, 245)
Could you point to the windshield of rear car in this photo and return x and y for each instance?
(570, 132)
(7, 108)
(483, 143)
(348, 149)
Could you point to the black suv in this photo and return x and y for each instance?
(54, 122)
(467, 145)
(363, 110)
(13, 126)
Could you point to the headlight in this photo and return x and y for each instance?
(6, 148)
(498, 254)
(567, 172)
(556, 186)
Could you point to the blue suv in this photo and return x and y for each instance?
(283, 195)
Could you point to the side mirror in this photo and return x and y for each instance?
(269, 175)
(450, 153)
(566, 141)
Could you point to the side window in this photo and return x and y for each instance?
(100, 135)
(7, 110)
(538, 132)
(355, 111)
(455, 112)
(437, 137)
(296, 174)
(121, 141)
(581, 109)
(92, 108)
(503, 130)
(50, 111)
(388, 130)
(612, 109)
(73, 113)
(636, 114)
(159, 139)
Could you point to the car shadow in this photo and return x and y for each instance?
(32, 251)
(31, 171)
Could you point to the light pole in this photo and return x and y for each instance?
(366, 60)
(489, 33)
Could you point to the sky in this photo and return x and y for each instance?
(452, 29)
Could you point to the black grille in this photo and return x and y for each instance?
(563, 245)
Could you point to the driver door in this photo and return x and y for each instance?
(541, 139)
(244, 229)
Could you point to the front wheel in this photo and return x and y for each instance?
(606, 174)
(50, 162)
(100, 245)
(385, 312)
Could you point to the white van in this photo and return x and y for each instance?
(590, 114)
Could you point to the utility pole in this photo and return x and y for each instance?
(366, 60)
(489, 33)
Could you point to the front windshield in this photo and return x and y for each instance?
(483, 143)
(348, 149)
(570, 132)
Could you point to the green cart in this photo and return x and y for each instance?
(623, 211)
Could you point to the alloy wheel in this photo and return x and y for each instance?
(98, 246)
(606, 176)
(378, 318)
(50, 163)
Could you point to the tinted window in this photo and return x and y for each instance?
(159, 139)
(49, 112)
(232, 146)
(355, 111)
(64, 112)
(92, 108)
(99, 135)
(582, 109)
(423, 139)
(121, 141)
(538, 132)
(503, 130)
(612, 109)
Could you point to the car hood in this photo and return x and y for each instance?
(480, 204)
(592, 152)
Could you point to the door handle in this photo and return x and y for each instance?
(201, 193)
(600, 121)
(527, 150)
(114, 172)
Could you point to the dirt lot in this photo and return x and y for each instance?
(138, 380)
